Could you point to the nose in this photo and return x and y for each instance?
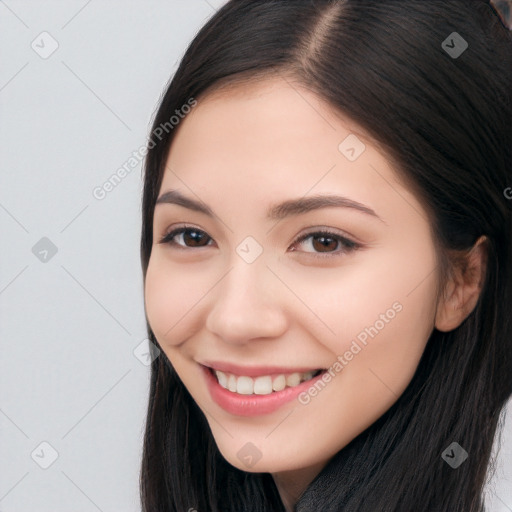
(248, 303)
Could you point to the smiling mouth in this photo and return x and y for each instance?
(264, 384)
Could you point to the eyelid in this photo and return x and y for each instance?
(349, 242)
(178, 229)
(328, 230)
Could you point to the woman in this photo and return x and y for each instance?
(326, 249)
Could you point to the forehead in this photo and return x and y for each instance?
(274, 106)
(270, 140)
(262, 125)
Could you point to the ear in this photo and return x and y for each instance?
(463, 288)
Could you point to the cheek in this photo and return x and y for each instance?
(385, 301)
(171, 296)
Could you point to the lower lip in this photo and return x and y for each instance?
(252, 405)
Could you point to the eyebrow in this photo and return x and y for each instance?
(290, 207)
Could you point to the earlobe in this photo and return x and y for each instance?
(463, 289)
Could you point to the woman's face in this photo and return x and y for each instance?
(267, 296)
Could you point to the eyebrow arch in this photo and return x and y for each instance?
(279, 211)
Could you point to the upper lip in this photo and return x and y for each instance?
(255, 371)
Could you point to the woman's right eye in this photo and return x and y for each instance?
(182, 236)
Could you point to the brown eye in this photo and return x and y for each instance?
(330, 244)
(324, 243)
(190, 237)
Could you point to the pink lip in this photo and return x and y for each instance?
(252, 405)
(256, 371)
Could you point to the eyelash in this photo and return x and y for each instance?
(347, 244)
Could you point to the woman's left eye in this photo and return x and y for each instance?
(323, 243)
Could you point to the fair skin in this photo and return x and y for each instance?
(239, 153)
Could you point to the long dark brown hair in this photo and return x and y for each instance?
(444, 120)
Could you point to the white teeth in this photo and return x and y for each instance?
(232, 383)
(223, 379)
(293, 380)
(263, 385)
(279, 383)
(244, 385)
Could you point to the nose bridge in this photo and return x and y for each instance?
(246, 304)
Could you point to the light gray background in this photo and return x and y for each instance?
(72, 326)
